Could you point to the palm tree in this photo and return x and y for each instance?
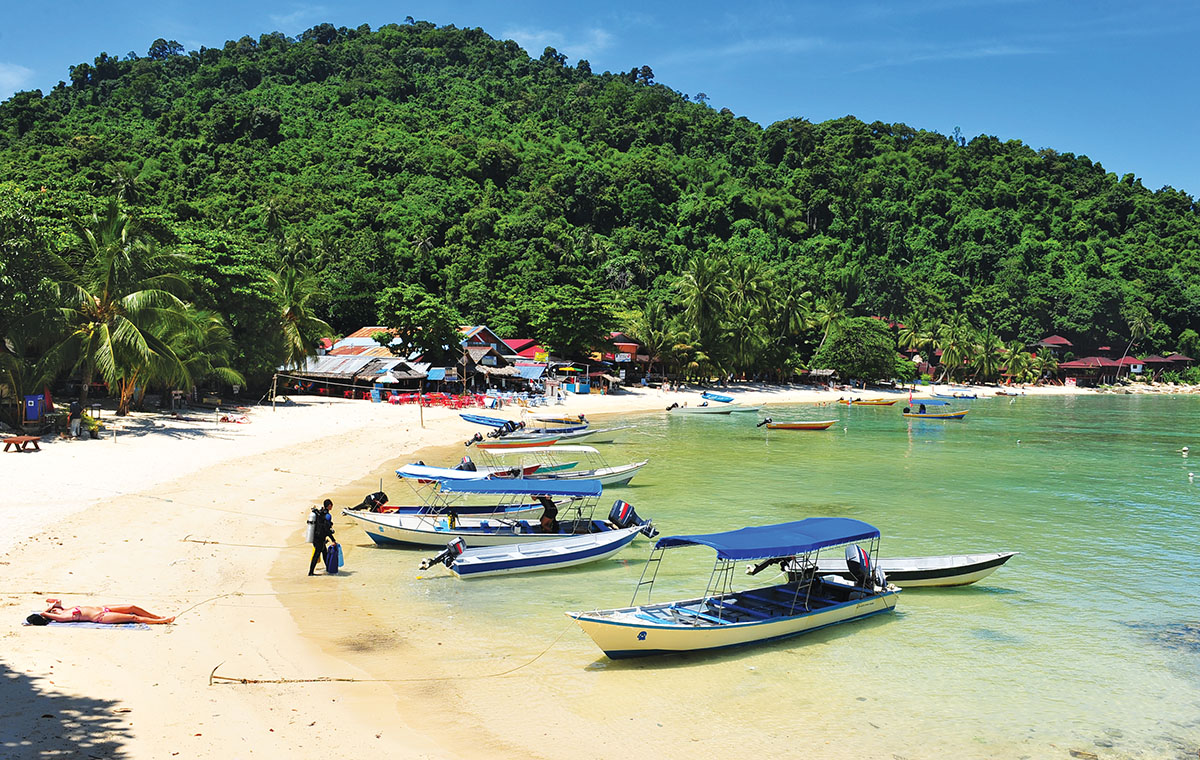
(114, 309)
(1020, 361)
(988, 356)
(21, 369)
(205, 347)
(954, 338)
(748, 285)
(1044, 364)
(830, 312)
(653, 331)
(296, 291)
(1138, 319)
(704, 288)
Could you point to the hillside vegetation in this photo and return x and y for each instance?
(416, 166)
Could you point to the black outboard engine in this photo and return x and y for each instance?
(673, 406)
(767, 421)
(448, 555)
(623, 515)
(372, 501)
(466, 465)
(474, 439)
(858, 562)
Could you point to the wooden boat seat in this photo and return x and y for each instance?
(697, 615)
(747, 611)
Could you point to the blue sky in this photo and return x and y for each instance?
(1111, 80)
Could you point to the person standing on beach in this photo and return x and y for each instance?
(75, 417)
(322, 532)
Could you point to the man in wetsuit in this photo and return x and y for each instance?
(322, 532)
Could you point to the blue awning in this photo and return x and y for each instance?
(783, 540)
(524, 487)
(929, 402)
(436, 373)
(531, 373)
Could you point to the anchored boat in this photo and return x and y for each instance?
(543, 555)
(549, 458)
(436, 529)
(724, 617)
(797, 424)
(917, 572)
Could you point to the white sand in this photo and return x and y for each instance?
(125, 520)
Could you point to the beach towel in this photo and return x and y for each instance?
(90, 624)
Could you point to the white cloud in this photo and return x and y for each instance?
(585, 44)
(13, 78)
(955, 53)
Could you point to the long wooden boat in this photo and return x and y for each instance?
(561, 419)
(800, 425)
(723, 617)
(591, 435)
(965, 396)
(536, 556)
(937, 415)
(500, 528)
(481, 419)
(918, 572)
(867, 401)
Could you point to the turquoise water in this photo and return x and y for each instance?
(1089, 640)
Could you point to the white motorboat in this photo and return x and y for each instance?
(549, 458)
(724, 617)
(916, 572)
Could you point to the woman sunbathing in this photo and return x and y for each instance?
(113, 614)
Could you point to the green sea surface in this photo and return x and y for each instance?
(1088, 641)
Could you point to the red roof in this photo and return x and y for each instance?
(1179, 358)
(525, 347)
(349, 350)
(1156, 359)
(1089, 362)
(1104, 348)
(1055, 340)
(1128, 361)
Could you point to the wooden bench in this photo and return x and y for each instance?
(22, 443)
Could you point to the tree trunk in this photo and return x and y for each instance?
(89, 372)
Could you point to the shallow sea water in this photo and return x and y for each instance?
(1087, 641)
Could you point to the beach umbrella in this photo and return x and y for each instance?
(387, 378)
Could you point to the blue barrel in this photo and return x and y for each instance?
(33, 407)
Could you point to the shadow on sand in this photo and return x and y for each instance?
(36, 722)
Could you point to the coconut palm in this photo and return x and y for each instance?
(205, 347)
(955, 339)
(113, 310)
(988, 356)
(1138, 319)
(296, 291)
(830, 311)
(703, 288)
(1019, 361)
(652, 329)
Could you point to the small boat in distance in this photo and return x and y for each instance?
(797, 424)
(937, 415)
(723, 617)
(867, 401)
(716, 397)
(928, 572)
(966, 396)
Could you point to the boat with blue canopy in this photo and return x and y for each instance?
(726, 617)
(568, 509)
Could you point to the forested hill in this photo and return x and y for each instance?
(443, 158)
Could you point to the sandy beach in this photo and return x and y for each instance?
(204, 520)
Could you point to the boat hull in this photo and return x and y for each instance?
(804, 425)
(608, 476)
(702, 410)
(930, 572)
(507, 444)
(542, 555)
(437, 530)
(624, 636)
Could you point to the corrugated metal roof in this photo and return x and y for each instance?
(365, 332)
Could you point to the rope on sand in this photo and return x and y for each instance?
(188, 538)
(214, 679)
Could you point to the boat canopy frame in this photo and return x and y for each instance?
(809, 537)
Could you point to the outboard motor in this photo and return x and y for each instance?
(859, 565)
(474, 439)
(767, 421)
(466, 465)
(448, 555)
(673, 406)
(623, 515)
(881, 581)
